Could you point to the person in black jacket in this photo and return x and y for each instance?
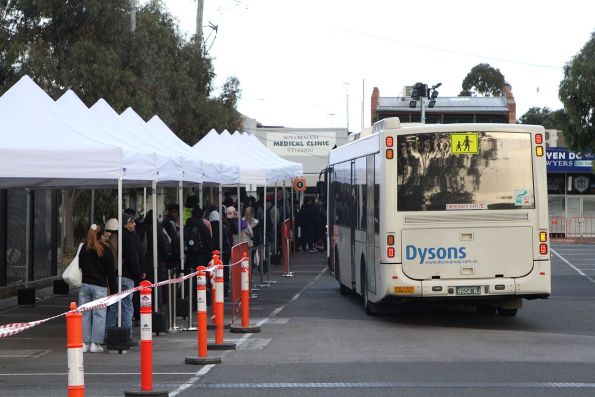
(197, 242)
(97, 266)
(164, 249)
(131, 273)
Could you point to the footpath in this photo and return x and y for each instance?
(34, 362)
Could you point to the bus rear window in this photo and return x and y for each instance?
(464, 171)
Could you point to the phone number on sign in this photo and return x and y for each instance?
(300, 150)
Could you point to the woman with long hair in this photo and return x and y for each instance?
(99, 273)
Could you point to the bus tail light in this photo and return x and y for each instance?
(542, 237)
(389, 154)
(389, 141)
(539, 151)
(390, 239)
(538, 139)
(543, 249)
(390, 252)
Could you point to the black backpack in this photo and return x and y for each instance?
(192, 239)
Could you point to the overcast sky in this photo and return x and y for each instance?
(298, 60)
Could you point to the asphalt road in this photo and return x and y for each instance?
(316, 342)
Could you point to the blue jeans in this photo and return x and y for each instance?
(93, 320)
(127, 309)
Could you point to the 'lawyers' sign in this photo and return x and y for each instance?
(561, 160)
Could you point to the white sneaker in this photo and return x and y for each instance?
(85, 347)
(95, 348)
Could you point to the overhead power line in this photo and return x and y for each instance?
(454, 52)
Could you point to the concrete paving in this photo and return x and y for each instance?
(34, 361)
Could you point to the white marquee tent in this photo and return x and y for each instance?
(191, 166)
(40, 148)
(169, 167)
(138, 163)
(216, 170)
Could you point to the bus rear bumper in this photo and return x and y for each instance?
(535, 285)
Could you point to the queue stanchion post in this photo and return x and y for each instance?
(245, 300)
(201, 321)
(74, 345)
(146, 345)
(219, 304)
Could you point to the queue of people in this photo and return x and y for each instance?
(202, 229)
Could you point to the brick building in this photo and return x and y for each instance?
(448, 110)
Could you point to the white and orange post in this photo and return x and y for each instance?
(146, 344)
(212, 265)
(146, 337)
(219, 309)
(245, 299)
(201, 321)
(74, 344)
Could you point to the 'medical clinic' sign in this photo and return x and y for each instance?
(287, 144)
(560, 159)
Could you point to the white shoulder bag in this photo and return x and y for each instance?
(73, 274)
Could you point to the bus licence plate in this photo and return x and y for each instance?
(475, 290)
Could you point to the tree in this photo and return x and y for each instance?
(542, 116)
(483, 80)
(577, 93)
(87, 46)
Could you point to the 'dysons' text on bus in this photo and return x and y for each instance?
(456, 213)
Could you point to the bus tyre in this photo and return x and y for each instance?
(370, 308)
(344, 290)
(507, 312)
(484, 310)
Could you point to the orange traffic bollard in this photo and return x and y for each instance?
(212, 264)
(146, 345)
(246, 327)
(74, 344)
(201, 318)
(219, 309)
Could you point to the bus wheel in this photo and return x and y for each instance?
(507, 312)
(484, 310)
(344, 290)
(370, 308)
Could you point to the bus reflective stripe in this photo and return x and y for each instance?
(146, 327)
(76, 372)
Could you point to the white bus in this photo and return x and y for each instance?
(447, 212)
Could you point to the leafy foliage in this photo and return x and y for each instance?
(483, 80)
(87, 46)
(577, 93)
(543, 116)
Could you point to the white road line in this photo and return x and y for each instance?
(205, 370)
(98, 373)
(579, 271)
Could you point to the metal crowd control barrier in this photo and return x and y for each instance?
(285, 248)
(575, 229)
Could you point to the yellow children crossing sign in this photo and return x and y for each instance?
(464, 143)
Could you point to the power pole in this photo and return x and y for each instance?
(133, 16)
(199, 11)
(347, 94)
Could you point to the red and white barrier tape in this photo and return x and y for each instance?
(15, 328)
